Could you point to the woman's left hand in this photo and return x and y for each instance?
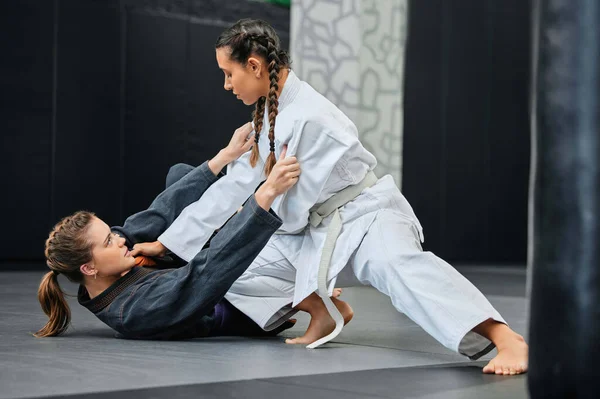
(241, 142)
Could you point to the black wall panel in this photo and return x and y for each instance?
(26, 125)
(424, 80)
(155, 99)
(466, 131)
(87, 150)
(466, 115)
(508, 128)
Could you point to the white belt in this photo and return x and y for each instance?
(331, 206)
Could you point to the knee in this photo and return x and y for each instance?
(176, 172)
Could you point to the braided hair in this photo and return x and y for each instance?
(66, 249)
(255, 37)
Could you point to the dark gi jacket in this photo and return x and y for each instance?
(185, 302)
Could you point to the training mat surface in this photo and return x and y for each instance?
(381, 353)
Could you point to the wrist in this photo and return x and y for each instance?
(160, 249)
(268, 190)
(218, 162)
(265, 196)
(226, 156)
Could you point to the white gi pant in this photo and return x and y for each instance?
(390, 258)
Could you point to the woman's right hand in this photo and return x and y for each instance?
(283, 176)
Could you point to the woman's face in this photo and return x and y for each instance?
(110, 256)
(249, 82)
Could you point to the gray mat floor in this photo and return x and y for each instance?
(381, 353)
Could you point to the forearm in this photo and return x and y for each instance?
(220, 161)
(187, 235)
(265, 196)
(147, 225)
(232, 250)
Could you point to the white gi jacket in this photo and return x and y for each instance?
(331, 157)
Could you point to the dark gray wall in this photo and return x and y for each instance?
(466, 137)
(99, 98)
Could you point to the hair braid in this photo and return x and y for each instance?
(258, 117)
(274, 68)
(49, 247)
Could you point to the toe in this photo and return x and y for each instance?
(522, 368)
(489, 368)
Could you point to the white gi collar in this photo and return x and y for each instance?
(290, 90)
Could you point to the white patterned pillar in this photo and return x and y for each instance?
(352, 51)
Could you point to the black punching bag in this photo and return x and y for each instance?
(564, 329)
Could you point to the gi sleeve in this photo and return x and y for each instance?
(147, 225)
(196, 223)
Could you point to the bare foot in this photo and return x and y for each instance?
(321, 322)
(336, 292)
(344, 308)
(512, 357)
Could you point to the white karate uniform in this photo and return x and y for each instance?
(380, 240)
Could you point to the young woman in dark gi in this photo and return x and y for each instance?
(187, 302)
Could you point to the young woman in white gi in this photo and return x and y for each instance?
(338, 220)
